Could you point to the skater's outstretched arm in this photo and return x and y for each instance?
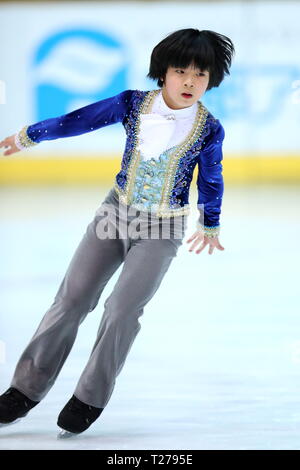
(86, 119)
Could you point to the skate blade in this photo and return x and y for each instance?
(65, 434)
(3, 425)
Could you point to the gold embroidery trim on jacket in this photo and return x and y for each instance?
(24, 140)
(125, 194)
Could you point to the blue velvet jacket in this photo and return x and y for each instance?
(171, 174)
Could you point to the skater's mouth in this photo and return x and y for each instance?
(186, 95)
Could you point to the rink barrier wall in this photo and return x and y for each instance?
(93, 169)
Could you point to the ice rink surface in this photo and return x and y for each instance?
(216, 364)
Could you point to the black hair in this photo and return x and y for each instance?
(204, 49)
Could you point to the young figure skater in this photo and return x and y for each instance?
(169, 132)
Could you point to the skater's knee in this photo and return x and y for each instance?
(120, 311)
(80, 304)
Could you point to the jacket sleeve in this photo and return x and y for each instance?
(210, 182)
(87, 119)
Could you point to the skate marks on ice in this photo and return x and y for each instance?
(233, 382)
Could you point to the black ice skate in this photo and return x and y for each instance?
(14, 405)
(76, 417)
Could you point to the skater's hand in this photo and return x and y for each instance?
(9, 142)
(199, 237)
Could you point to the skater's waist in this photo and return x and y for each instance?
(113, 197)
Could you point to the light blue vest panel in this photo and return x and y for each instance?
(149, 181)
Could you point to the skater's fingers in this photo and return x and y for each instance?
(211, 249)
(193, 245)
(204, 243)
(198, 240)
(4, 143)
(10, 140)
(9, 143)
(220, 247)
(10, 151)
(198, 234)
(191, 238)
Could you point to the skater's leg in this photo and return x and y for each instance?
(145, 265)
(92, 265)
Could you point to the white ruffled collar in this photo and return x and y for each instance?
(161, 107)
(158, 128)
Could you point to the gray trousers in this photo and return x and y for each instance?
(146, 261)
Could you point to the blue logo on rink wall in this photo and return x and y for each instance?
(77, 67)
(255, 93)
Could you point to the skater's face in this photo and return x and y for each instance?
(178, 81)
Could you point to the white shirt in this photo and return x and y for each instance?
(164, 127)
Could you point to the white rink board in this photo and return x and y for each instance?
(60, 57)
